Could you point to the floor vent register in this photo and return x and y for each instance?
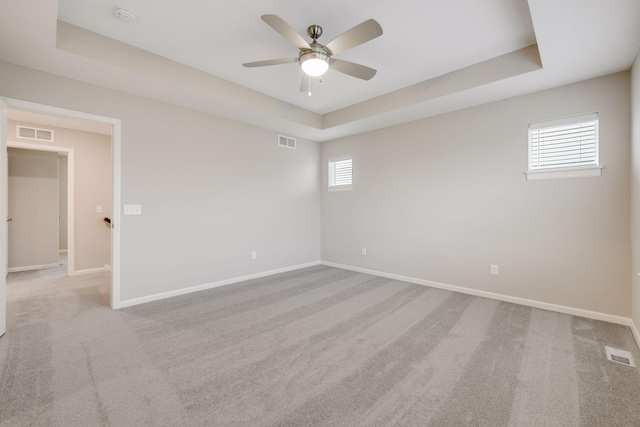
(620, 356)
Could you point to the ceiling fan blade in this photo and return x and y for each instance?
(358, 35)
(270, 62)
(286, 31)
(353, 69)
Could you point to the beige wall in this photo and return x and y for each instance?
(92, 188)
(635, 188)
(33, 207)
(212, 190)
(62, 199)
(442, 198)
(438, 199)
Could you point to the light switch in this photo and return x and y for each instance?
(133, 209)
(98, 209)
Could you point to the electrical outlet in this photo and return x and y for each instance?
(98, 209)
(364, 251)
(254, 255)
(494, 269)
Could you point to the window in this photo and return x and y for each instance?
(340, 173)
(564, 148)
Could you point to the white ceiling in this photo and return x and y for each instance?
(434, 56)
(422, 39)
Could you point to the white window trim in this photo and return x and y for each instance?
(332, 188)
(340, 188)
(566, 171)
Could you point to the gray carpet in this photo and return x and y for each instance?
(318, 346)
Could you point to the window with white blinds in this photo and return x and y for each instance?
(340, 173)
(564, 143)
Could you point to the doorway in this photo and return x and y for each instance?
(114, 231)
(38, 208)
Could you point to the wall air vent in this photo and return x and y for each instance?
(36, 134)
(620, 356)
(285, 141)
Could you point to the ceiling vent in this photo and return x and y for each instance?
(285, 141)
(35, 134)
(620, 356)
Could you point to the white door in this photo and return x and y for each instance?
(33, 209)
(3, 217)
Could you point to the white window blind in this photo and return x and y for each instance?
(340, 171)
(564, 143)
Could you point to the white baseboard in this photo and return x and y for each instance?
(88, 271)
(107, 267)
(63, 251)
(31, 267)
(163, 295)
(636, 333)
(500, 297)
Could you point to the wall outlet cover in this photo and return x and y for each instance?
(133, 209)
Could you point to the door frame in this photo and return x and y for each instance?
(4, 181)
(116, 142)
(70, 193)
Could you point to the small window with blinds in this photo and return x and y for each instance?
(564, 147)
(340, 173)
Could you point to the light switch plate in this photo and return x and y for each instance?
(133, 209)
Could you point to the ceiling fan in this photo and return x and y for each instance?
(315, 59)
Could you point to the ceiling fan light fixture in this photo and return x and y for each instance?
(314, 64)
(314, 58)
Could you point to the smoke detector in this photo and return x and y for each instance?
(125, 15)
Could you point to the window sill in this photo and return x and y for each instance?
(340, 188)
(561, 173)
